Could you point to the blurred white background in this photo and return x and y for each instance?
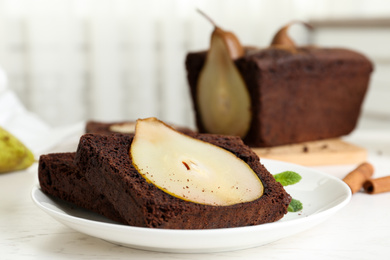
(74, 60)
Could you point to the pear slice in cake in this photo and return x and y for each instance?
(191, 169)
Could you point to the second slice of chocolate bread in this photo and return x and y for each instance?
(60, 178)
(107, 166)
(122, 127)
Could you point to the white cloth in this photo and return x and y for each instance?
(26, 126)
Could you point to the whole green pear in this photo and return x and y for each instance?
(14, 155)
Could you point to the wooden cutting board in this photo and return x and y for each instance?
(323, 152)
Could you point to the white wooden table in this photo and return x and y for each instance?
(361, 230)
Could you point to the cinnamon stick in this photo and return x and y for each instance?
(378, 185)
(356, 178)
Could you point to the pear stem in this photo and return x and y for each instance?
(207, 17)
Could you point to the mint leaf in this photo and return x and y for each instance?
(295, 205)
(287, 178)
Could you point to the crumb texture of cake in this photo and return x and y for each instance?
(305, 95)
(108, 168)
(59, 177)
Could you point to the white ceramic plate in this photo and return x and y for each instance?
(322, 195)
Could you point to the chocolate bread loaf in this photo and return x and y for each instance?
(60, 178)
(108, 168)
(296, 96)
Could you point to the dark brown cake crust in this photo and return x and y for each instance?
(107, 166)
(60, 178)
(304, 96)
